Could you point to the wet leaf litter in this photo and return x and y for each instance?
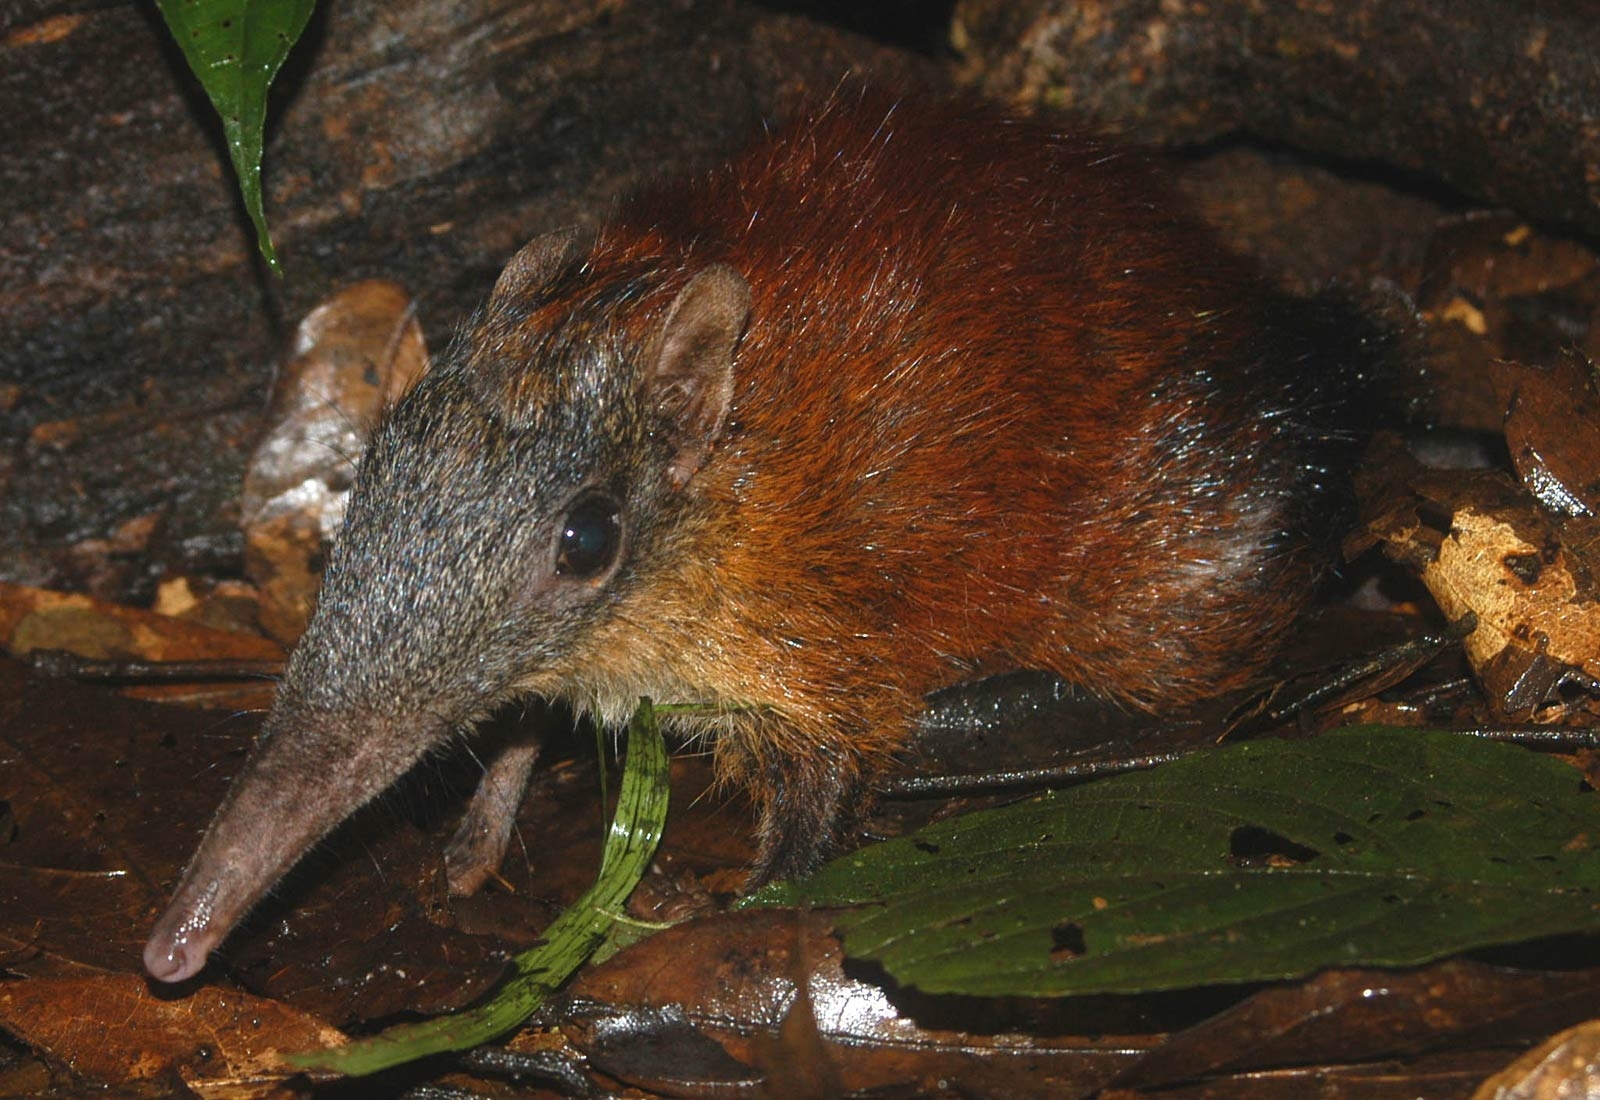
(405, 967)
(1560, 694)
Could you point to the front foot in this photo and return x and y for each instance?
(474, 853)
(807, 815)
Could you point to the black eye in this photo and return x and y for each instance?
(591, 536)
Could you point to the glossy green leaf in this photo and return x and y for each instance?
(1266, 860)
(567, 943)
(236, 47)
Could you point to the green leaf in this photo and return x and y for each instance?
(236, 47)
(571, 938)
(1259, 861)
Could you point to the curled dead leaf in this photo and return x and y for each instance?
(1522, 579)
(354, 354)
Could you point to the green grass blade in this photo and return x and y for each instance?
(570, 939)
(235, 48)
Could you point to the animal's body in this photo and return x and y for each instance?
(900, 397)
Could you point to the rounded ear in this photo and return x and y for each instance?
(692, 377)
(535, 266)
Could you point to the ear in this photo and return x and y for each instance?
(692, 378)
(535, 266)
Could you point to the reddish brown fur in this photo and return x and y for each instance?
(1000, 405)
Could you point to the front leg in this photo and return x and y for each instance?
(810, 806)
(480, 841)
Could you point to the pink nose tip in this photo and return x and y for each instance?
(172, 960)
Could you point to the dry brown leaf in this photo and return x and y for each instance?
(1351, 1017)
(38, 618)
(1525, 595)
(111, 1028)
(1565, 1067)
(1490, 557)
(763, 998)
(1494, 289)
(41, 619)
(96, 794)
(1553, 431)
